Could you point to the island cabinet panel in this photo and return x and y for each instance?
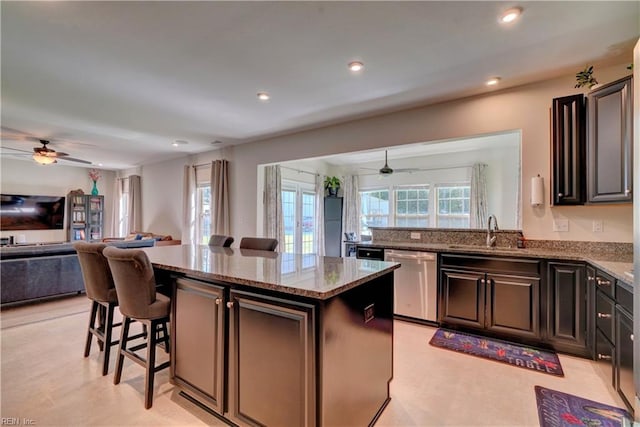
(567, 307)
(513, 305)
(198, 331)
(271, 361)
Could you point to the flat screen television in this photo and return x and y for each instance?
(22, 212)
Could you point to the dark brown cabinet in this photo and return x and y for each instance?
(567, 307)
(198, 331)
(271, 353)
(610, 143)
(491, 294)
(624, 355)
(568, 151)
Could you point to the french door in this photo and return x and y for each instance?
(298, 211)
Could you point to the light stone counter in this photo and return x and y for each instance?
(310, 276)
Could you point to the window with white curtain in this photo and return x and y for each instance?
(203, 204)
(298, 212)
(123, 221)
(453, 206)
(411, 206)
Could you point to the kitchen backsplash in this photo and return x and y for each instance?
(504, 238)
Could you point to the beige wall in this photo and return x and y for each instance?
(27, 177)
(525, 108)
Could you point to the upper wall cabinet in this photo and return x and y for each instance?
(568, 151)
(610, 143)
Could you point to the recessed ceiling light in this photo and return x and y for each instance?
(216, 142)
(179, 142)
(510, 15)
(493, 81)
(99, 164)
(263, 96)
(355, 66)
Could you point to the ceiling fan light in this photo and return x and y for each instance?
(44, 159)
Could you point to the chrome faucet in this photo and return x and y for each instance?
(491, 239)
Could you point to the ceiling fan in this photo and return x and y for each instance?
(386, 170)
(42, 155)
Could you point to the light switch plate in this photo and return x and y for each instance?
(597, 226)
(415, 236)
(560, 225)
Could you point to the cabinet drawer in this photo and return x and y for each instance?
(499, 265)
(605, 283)
(370, 253)
(605, 308)
(605, 354)
(624, 297)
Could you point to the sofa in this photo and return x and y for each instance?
(33, 272)
(160, 239)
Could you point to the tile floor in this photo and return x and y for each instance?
(44, 378)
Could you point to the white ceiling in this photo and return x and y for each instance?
(118, 82)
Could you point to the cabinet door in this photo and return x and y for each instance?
(624, 356)
(271, 361)
(462, 298)
(513, 305)
(568, 151)
(609, 152)
(605, 354)
(197, 332)
(567, 307)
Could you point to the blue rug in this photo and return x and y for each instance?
(557, 409)
(500, 351)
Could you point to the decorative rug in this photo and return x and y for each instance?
(557, 409)
(500, 351)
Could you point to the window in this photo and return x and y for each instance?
(374, 210)
(203, 213)
(453, 206)
(298, 213)
(412, 206)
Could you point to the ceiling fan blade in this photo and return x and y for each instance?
(73, 159)
(60, 154)
(17, 149)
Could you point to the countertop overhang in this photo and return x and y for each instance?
(307, 275)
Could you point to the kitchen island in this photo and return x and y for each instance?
(266, 338)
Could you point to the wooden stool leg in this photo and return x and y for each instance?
(108, 329)
(101, 318)
(166, 337)
(124, 334)
(151, 363)
(92, 321)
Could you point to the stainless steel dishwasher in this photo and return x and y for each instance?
(415, 284)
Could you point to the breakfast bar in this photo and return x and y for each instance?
(266, 338)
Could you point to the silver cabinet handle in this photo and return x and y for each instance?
(631, 337)
(590, 278)
(218, 301)
(603, 282)
(229, 304)
(604, 357)
(560, 195)
(604, 316)
(626, 192)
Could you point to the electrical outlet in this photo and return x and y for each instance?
(597, 226)
(369, 313)
(560, 225)
(415, 236)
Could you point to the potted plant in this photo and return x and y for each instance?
(332, 185)
(586, 78)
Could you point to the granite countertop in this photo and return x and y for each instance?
(615, 264)
(309, 275)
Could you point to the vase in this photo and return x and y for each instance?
(94, 190)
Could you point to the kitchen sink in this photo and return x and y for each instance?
(479, 247)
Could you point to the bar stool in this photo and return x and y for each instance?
(135, 283)
(258, 243)
(98, 284)
(220, 240)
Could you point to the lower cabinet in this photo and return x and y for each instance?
(567, 308)
(624, 355)
(490, 294)
(271, 353)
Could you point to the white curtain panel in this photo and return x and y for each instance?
(273, 219)
(319, 207)
(188, 205)
(350, 192)
(220, 216)
(135, 203)
(479, 209)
